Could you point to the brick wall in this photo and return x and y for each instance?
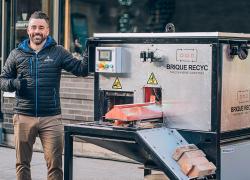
(77, 98)
(7, 109)
(76, 101)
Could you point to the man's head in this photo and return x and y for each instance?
(38, 27)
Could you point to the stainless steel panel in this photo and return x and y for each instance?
(235, 161)
(173, 35)
(183, 73)
(163, 142)
(235, 109)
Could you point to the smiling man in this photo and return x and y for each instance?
(38, 31)
(33, 70)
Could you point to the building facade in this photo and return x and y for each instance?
(73, 21)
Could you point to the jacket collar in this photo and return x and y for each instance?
(24, 46)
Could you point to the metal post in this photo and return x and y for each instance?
(3, 28)
(1, 132)
(56, 20)
(68, 155)
(147, 172)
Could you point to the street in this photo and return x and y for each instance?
(83, 168)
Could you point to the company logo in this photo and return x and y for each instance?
(191, 67)
(242, 97)
(187, 63)
(48, 59)
(186, 55)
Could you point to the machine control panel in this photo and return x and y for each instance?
(110, 60)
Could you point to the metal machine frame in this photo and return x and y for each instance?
(209, 141)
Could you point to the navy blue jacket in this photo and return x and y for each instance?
(43, 73)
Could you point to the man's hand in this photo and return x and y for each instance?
(20, 83)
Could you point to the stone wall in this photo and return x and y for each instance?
(7, 110)
(77, 98)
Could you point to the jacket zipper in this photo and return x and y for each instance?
(36, 84)
(31, 66)
(55, 97)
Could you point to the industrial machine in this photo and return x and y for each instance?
(160, 94)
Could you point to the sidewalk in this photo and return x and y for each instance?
(83, 168)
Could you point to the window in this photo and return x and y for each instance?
(85, 17)
(1, 31)
(15, 15)
(23, 10)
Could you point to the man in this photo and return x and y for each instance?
(33, 70)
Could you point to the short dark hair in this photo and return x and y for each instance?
(39, 15)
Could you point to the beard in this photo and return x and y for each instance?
(37, 38)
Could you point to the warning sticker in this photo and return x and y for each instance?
(152, 80)
(117, 84)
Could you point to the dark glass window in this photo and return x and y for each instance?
(16, 15)
(1, 30)
(23, 10)
(102, 16)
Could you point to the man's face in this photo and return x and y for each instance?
(38, 31)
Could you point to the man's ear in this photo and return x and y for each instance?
(27, 30)
(48, 32)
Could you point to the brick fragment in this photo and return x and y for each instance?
(180, 150)
(202, 170)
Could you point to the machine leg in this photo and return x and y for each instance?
(147, 172)
(68, 156)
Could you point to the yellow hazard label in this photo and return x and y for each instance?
(152, 80)
(117, 84)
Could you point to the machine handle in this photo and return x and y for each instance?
(239, 49)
